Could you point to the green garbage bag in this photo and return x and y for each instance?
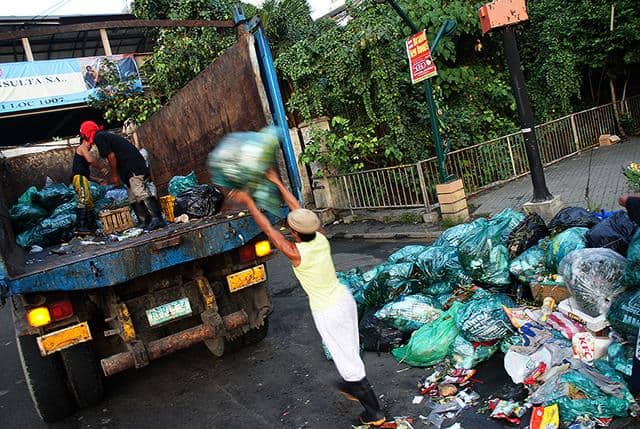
(440, 269)
(606, 393)
(97, 191)
(178, 184)
(529, 266)
(436, 289)
(483, 319)
(410, 312)
(104, 204)
(27, 196)
(483, 258)
(510, 341)
(559, 246)
(620, 357)
(453, 236)
(50, 231)
(240, 160)
(386, 283)
(624, 313)
(442, 299)
(432, 342)
(26, 215)
(465, 355)
(502, 224)
(54, 195)
(354, 281)
(407, 253)
(631, 276)
(66, 208)
(267, 196)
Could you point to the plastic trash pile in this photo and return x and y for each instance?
(560, 301)
(47, 216)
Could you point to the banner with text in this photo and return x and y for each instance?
(422, 66)
(44, 84)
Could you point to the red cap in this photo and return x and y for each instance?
(88, 130)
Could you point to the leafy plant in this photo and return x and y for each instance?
(632, 173)
(342, 149)
(627, 123)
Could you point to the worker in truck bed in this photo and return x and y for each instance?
(332, 305)
(127, 167)
(81, 172)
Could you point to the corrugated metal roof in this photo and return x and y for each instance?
(70, 45)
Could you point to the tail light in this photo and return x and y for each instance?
(61, 310)
(247, 253)
(41, 316)
(263, 248)
(253, 251)
(38, 317)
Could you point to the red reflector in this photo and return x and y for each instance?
(61, 310)
(247, 253)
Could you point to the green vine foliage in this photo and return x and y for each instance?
(341, 148)
(569, 52)
(360, 72)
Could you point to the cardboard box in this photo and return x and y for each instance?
(558, 292)
(608, 140)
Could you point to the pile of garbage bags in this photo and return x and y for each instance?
(47, 216)
(455, 303)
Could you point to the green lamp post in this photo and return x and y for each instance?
(446, 29)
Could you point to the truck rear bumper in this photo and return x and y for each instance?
(170, 344)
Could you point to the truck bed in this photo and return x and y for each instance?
(45, 260)
(100, 265)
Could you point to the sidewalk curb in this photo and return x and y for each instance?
(428, 235)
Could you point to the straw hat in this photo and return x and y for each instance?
(303, 221)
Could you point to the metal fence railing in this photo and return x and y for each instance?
(480, 166)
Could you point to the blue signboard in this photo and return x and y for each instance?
(44, 84)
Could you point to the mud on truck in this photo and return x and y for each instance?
(99, 310)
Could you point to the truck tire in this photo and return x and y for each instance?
(45, 380)
(83, 374)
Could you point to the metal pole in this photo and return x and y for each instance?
(443, 176)
(540, 191)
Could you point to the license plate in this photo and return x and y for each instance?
(64, 338)
(169, 311)
(246, 278)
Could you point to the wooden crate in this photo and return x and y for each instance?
(117, 220)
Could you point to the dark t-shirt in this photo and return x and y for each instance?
(130, 161)
(80, 166)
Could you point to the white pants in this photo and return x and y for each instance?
(338, 327)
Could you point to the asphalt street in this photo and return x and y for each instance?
(282, 382)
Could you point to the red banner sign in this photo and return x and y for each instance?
(422, 66)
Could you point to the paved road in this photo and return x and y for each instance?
(283, 382)
(569, 178)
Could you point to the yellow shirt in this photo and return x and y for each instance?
(317, 275)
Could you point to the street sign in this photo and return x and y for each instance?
(420, 61)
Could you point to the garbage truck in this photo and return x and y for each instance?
(97, 310)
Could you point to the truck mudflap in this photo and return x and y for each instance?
(139, 356)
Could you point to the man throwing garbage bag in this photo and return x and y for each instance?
(127, 167)
(332, 305)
